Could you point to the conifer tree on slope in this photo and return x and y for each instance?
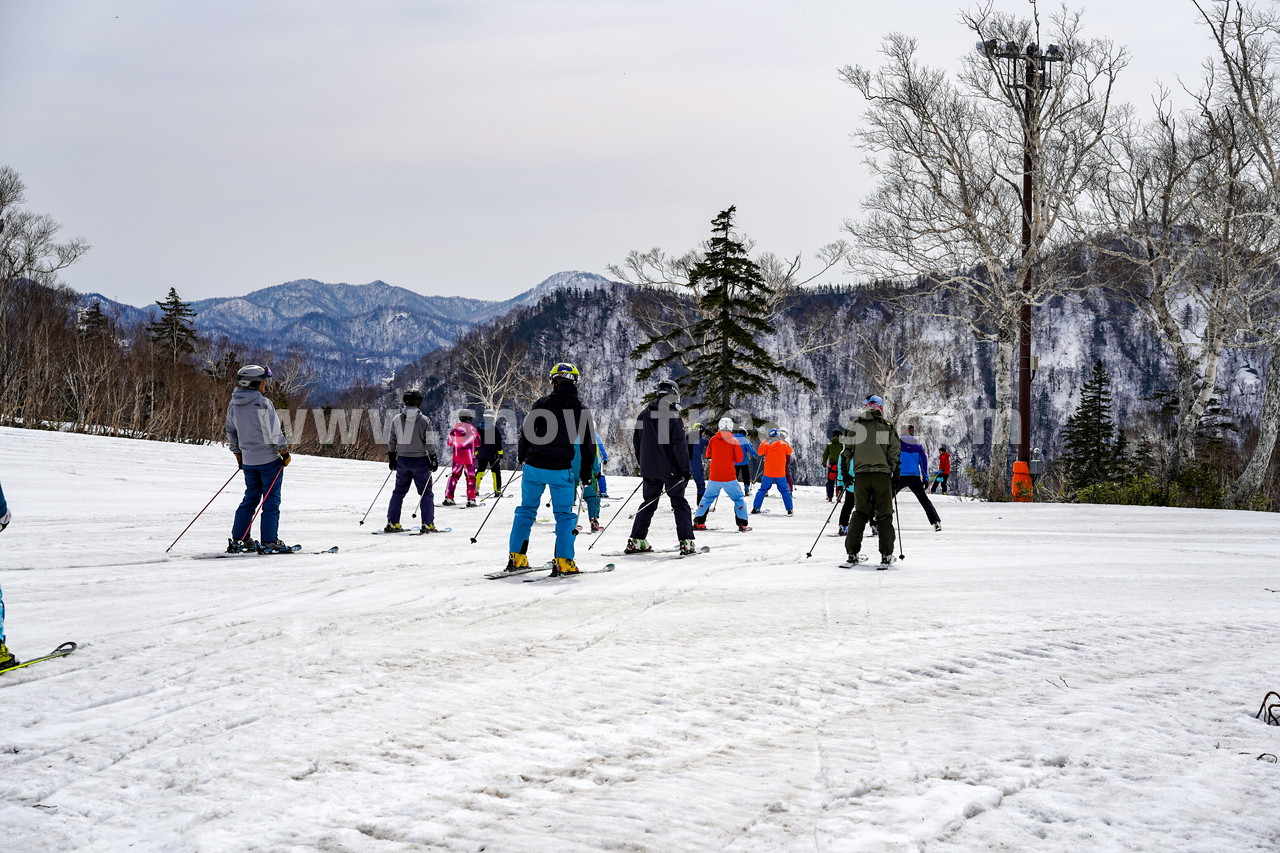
(1088, 440)
(722, 351)
(173, 331)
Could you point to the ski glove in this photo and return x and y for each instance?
(391, 460)
(433, 462)
(239, 461)
(285, 459)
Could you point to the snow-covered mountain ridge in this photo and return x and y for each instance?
(351, 332)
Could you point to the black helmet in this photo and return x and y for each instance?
(252, 376)
(412, 397)
(942, 449)
(666, 388)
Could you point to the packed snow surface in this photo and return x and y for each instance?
(1034, 677)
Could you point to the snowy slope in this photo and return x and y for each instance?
(1047, 678)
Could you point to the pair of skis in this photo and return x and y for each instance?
(412, 531)
(293, 549)
(547, 567)
(60, 652)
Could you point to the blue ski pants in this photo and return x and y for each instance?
(412, 470)
(732, 488)
(563, 486)
(260, 480)
(783, 487)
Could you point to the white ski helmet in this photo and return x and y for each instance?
(252, 376)
(466, 415)
(726, 424)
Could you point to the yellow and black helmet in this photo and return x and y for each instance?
(564, 370)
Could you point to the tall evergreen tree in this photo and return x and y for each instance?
(722, 351)
(1089, 437)
(173, 331)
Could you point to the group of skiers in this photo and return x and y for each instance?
(558, 452)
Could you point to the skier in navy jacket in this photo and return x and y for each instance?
(662, 452)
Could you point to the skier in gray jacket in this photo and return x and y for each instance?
(258, 442)
(411, 453)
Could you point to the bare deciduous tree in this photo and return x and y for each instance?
(948, 159)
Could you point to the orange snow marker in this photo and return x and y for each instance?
(1024, 490)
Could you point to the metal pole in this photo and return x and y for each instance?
(201, 512)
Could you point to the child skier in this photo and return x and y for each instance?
(726, 454)
(464, 440)
(411, 453)
(602, 459)
(663, 456)
(743, 468)
(557, 448)
(260, 448)
(944, 471)
(491, 450)
(830, 461)
(775, 452)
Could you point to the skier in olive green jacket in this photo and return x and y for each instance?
(873, 448)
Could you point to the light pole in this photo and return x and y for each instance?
(1030, 70)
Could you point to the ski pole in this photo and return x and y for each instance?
(431, 479)
(201, 512)
(820, 532)
(616, 514)
(262, 502)
(510, 483)
(897, 524)
(378, 495)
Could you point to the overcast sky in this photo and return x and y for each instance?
(469, 147)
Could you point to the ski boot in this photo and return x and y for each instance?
(564, 566)
(393, 528)
(853, 560)
(885, 561)
(7, 659)
(275, 546)
(596, 526)
(637, 546)
(755, 510)
(688, 547)
(790, 512)
(241, 546)
(742, 525)
(700, 523)
(448, 502)
(937, 527)
(470, 502)
(427, 528)
(5, 519)
(516, 562)
(844, 530)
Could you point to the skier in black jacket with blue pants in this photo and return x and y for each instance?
(662, 451)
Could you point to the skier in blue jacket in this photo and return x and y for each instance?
(699, 435)
(913, 472)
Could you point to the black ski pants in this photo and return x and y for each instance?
(490, 463)
(939, 480)
(651, 490)
(916, 485)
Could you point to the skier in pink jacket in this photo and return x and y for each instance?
(464, 438)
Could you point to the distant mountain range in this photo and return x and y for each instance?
(350, 332)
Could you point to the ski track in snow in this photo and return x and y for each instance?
(1049, 678)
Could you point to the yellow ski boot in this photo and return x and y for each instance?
(565, 567)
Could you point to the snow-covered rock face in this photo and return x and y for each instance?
(943, 380)
(1034, 677)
